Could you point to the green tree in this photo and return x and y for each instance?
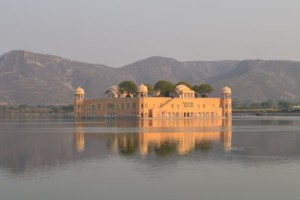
(68, 108)
(196, 89)
(184, 83)
(129, 87)
(284, 105)
(23, 107)
(204, 89)
(267, 104)
(150, 88)
(165, 87)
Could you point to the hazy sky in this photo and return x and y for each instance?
(118, 32)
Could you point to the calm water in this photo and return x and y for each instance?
(248, 158)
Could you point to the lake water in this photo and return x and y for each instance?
(64, 159)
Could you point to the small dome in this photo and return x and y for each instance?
(112, 92)
(143, 88)
(114, 88)
(79, 90)
(226, 90)
(183, 89)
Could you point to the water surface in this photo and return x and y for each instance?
(248, 158)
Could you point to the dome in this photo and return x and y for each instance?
(79, 90)
(112, 92)
(183, 89)
(143, 88)
(114, 88)
(226, 90)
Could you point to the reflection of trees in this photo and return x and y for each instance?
(166, 148)
(128, 144)
(204, 146)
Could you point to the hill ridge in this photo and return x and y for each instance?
(35, 79)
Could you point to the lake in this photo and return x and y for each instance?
(254, 157)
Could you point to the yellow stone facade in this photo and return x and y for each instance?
(183, 104)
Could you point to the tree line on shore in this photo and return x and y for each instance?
(270, 105)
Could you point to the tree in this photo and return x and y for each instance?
(128, 87)
(165, 87)
(23, 107)
(204, 89)
(184, 83)
(284, 105)
(150, 88)
(267, 104)
(196, 89)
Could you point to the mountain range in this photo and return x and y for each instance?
(38, 79)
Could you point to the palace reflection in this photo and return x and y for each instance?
(29, 145)
(163, 136)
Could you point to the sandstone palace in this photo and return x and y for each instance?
(182, 104)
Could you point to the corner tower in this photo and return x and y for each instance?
(78, 102)
(226, 102)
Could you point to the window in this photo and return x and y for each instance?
(188, 104)
(110, 105)
(133, 105)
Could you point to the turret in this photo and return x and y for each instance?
(142, 91)
(78, 102)
(226, 102)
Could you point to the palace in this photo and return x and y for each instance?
(182, 104)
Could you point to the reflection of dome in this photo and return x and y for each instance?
(226, 90)
(143, 88)
(183, 89)
(79, 90)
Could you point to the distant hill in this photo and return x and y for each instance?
(259, 80)
(37, 79)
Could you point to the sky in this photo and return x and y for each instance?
(119, 32)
